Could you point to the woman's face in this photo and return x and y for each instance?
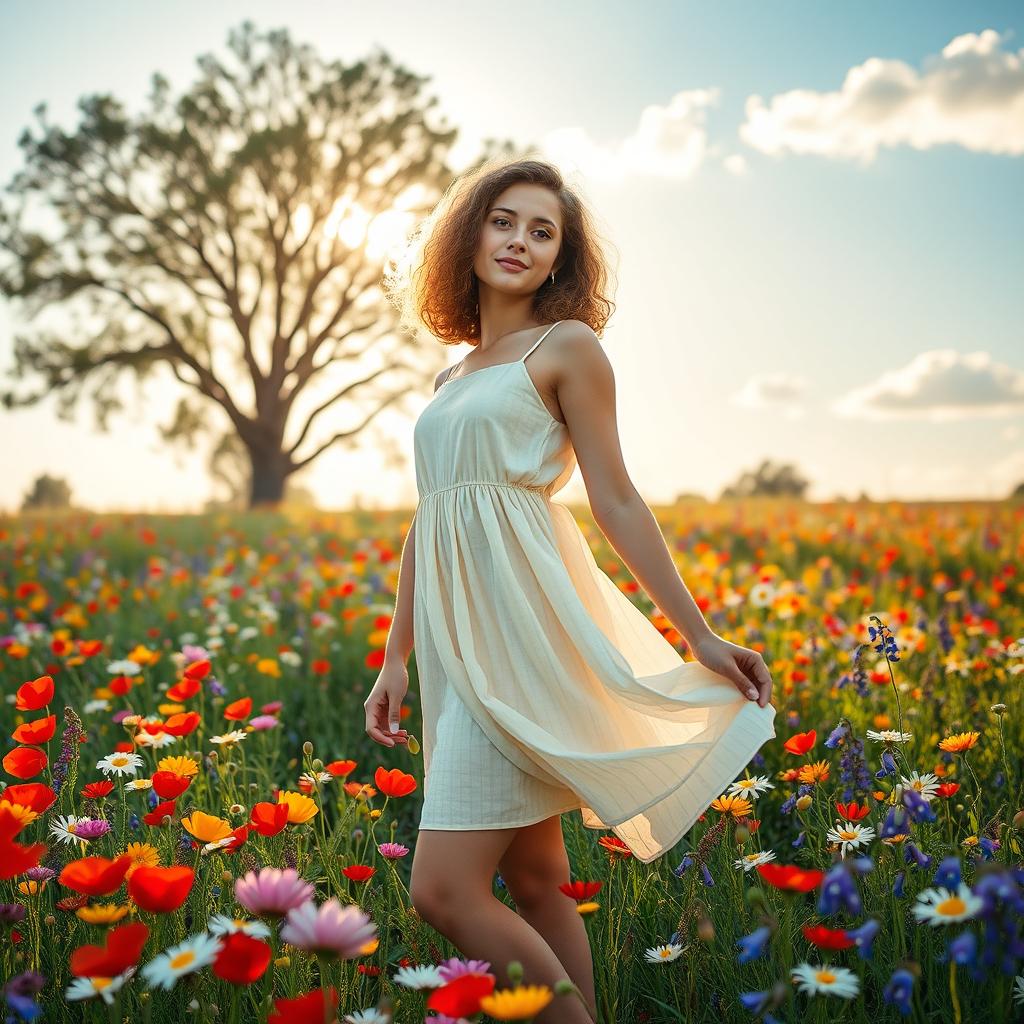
(523, 224)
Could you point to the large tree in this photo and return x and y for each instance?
(210, 235)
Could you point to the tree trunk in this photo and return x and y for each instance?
(269, 472)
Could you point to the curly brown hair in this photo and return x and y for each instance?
(433, 283)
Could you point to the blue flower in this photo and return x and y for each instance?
(755, 1001)
(899, 990)
(863, 937)
(754, 944)
(948, 873)
(897, 885)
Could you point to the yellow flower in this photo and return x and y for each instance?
(517, 1003)
(816, 772)
(24, 814)
(102, 913)
(737, 806)
(959, 742)
(300, 807)
(170, 709)
(268, 667)
(142, 855)
(31, 888)
(179, 765)
(587, 907)
(207, 828)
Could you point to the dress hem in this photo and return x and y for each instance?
(575, 806)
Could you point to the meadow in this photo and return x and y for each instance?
(195, 826)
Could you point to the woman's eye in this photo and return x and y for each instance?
(505, 220)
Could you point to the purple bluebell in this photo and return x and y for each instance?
(898, 882)
(860, 864)
(835, 737)
(838, 892)
(895, 823)
(899, 990)
(917, 806)
(755, 1002)
(686, 862)
(911, 852)
(708, 880)
(988, 847)
(753, 945)
(853, 770)
(800, 839)
(963, 950)
(788, 804)
(888, 764)
(948, 873)
(863, 936)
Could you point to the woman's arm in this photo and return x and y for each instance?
(586, 395)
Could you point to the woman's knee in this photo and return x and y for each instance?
(536, 883)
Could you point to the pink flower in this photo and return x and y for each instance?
(264, 722)
(272, 892)
(453, 968)
(393, 850)
(331, 929)
(272, 708)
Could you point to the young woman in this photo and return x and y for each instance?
(543, 688)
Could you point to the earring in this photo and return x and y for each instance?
(552, 277)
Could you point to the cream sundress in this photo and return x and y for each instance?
(543, 687)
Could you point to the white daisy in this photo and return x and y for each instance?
(124, 667)
(762, 595)
(663, 954)
(221, 924)
(942, 906)
(89, 988)
(119, 763)
(90, 707)
(370, 1016)
(927, 784)
(889, 736)
(750, 787)
(751, 860)
(826, 979)
(63, 827)
(155, 740)
(849, 835)
(316, 778)
(196, 952)
(420, 976)
(230, 738)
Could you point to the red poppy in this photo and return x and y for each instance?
(182, 724)
(183, 689)
(120, 685)
(337, 768)
(394, 782)
(242, 959)
(39, 731)
(307, 1009)
(827, 938)
(24, 762)
(238, 711)
(790, 877)
(269, 819)
(35, 694)
(947, 789)
(160, 890)
(123, 949)
(35, 795)
(94, 790)
(15, 858)
(198, 670)
(95, 876)
(580, 890)
(125, 747)
(800, 742)
(168, 785)
(161, 811)
(240, 835)
(853, 811)
(359, 872)
(461, 997)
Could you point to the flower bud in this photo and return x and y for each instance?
(1018, 820)
(307, 748)
(803, 802)
(515, 972)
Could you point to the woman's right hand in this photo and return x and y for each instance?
(384, 705)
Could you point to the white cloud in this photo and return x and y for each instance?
(939, 385)
(778, 390)
(971, 95)
(669, 142)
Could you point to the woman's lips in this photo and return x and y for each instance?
(511, 267)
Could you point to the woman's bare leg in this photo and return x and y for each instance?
(533, 867)
(452, 889)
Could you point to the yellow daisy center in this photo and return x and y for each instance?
(954, 905)
(825, 977)
(100, 983)
(119, 760)
(182, 960)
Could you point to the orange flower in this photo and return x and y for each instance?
(394, 782)
(122, 950)
(300, 808)
(816, 772)
(182, 724)
(800, 743)
(15, 858)
(238, 710)
(197, 670)
(183, 689)
(955, 744)
(206, 827)
(38, 732)
(269, 819)
(737, 806)
(95, 876)
(35, 694)
(36, 795)
(337, 768)
(24, 762)
(853, 811)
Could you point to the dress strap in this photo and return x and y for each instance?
(542, 337)
(451, 370)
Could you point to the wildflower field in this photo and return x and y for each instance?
(195, 825)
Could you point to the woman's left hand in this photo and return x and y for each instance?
(744, 667)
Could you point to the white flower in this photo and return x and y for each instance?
(942, 906)
(196, 952)
(316, 778)
(750, 787)
(89, 988)
(889, 736)
(90, 707)
(927, 785)
(826, 979)
(138, 784)
(849, 835)
(119, 763)
(751, 860)
(63, 827)
(292, 658)
(124, 667)
(762, 595)
(248, 633)
(370, 1016)
(155, 739)
(420, 976)
(663, 954)
(230, 738)
(220, 924)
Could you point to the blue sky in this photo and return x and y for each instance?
(816, 210)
